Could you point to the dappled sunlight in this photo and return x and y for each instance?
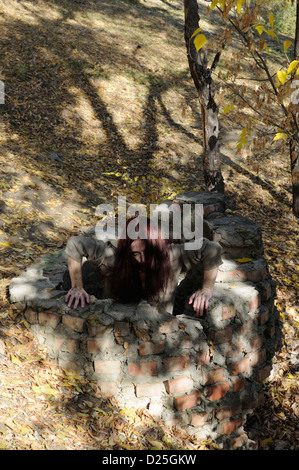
(106, 85)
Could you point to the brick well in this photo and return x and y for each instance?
(204, 375)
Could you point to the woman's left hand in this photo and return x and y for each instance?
(200, 300)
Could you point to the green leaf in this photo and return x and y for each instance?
(199, 41)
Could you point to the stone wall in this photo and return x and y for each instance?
(205, 375)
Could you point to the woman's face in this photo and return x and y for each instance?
(137, 250)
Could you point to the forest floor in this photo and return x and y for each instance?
(106, 86)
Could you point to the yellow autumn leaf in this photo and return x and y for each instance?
(5, 243)
(11, 424)
(196, 32)
(271, 19)
(287, 44)
(228, 108)
(214, 4)
(239, 5)
(292, 66)
(3, 445)
(266, 442)
(109, 421)
(282, 76)
(157, 445)
(46, 389)
(243, 260)
(278, 136)
(199, 41)
(271, 33)
(260, 28)
(15, 360)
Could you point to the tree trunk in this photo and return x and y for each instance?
(294, 153)
(294, 144)
(296, 44)
(202, 77)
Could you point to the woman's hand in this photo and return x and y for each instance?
(200, 300)
(77, 295)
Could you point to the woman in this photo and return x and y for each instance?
(144, 268)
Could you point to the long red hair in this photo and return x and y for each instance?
(126, 280)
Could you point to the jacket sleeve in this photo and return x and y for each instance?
(208, 256)
(78, 247)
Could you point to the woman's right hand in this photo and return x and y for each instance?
(76, 295)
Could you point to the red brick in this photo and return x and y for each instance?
(142, 334)
(142, 368)
(235, 349)
(187, 401)
(253, 401)
(266, 293)
(31, 316)
(155, 408)
(66, 344)
(92, 346)
(186, 342)
(106, 367)
(213, 376)
(258, 357)
(49, 319)
(255, 303)
(151, 348)
(262, 315)
(202, 358)
(149, 389)
(170, 422)
(199, 419)
(228, 411)
(239, 367)
(238, 384)
(257, 342)
(245, 328)
(74, 323)
(182, 384)
(263, 373)
(172, 364)
(229, 311)
(240, 441)
(229, 427)
(169, 326)
(216, 392)
(72, 365)
(121, 328)
(108, 388)
(222, 336)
